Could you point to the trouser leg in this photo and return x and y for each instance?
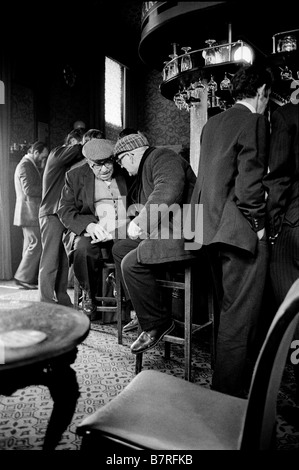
(145, 294)
(243, 280)
(53, 272)
(62, 278)
(28, 267)
(284, 270)
(119, 250)
(88, 262)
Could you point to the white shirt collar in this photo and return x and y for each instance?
(248, 105)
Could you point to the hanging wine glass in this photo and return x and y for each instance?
(165, 71)
(197, 88)
(173, 65)
(225, 83)
(212, 88)
(186, 62)
(209, 54)
(288, 44)
(286, 73)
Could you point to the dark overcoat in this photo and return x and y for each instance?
(233, 162)
(167, 179)
(282, 181)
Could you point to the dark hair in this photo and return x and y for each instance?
(37, 146)
(74, 134)
(127, 131)
(248, 79)
(92, 134)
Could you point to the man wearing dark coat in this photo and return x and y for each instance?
(53, 268)
(164, 182)
(233, 162)
(282, 183)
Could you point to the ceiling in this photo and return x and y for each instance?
(38, 33)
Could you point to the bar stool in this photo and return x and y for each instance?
(189, 328)
(106, 304)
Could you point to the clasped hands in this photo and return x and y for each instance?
(100, 234)
(133, 230)
(97, 233)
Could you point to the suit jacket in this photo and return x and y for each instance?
(59, 161)
(28, 187)
(165, 179)
(282, 181)
(76, 207)
(233, 162)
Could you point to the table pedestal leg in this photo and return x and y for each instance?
(63, 386)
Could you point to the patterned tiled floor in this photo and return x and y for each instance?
(103, 369)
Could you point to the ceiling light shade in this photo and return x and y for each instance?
(243, 52)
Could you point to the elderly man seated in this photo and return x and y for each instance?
(92, 208)
(164, 183)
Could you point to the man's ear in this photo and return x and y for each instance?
(261, 90)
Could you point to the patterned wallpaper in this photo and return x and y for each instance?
(158, 117)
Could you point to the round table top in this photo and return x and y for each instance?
(31, 332)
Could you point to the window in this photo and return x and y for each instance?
(115, 79)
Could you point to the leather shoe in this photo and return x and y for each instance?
(148, 339)
(25, 285)
(132, 325)
(89, 307)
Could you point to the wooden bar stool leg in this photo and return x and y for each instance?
(138, 361)
(188, 322)
(77, 293)
(212, 305)
(119, 295)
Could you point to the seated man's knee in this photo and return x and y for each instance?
(129, 263)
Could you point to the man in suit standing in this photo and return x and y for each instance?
(54, 269)
(282, 183)
(28, 187)
(233, 162)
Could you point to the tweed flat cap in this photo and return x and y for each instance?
(130, 142)
(98, 149)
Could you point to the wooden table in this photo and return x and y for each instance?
(38, 344)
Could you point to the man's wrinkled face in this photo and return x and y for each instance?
(102, 169)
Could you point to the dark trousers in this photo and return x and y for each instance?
(88, 262)
(241, 277)
(139, 282)
(53, 268)
(284, 262)
(284, 270)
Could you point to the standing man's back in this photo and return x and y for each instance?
(233, 162)
(53, 273)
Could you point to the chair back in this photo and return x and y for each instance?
(260, 420)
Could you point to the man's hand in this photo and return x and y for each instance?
(133, 230)
(97, 233)
(261, 233)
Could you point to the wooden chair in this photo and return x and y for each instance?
(161, 412)
(187, 328)
(107, 304)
